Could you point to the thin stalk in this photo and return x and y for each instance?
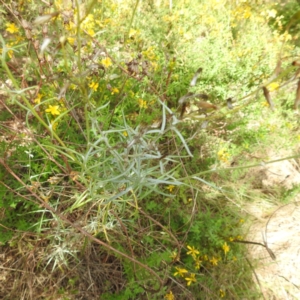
(78, 37)
(131, 20)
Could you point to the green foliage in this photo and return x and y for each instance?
(104, 145)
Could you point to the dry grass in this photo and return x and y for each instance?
(24, 276)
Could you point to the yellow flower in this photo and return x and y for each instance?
(223, 155)
(70, 26)
(169, 296)
(170, 188)
(226, 248)
(91, 32)
(142, 103)
(133, 33)
(180, 271)
(149, 53)
(94, 85)
(45, 198)
(197, 263)
(222, 293)
(115, 91)
(190, 279)
(11, 28)
(71, 40)
(193, 252)
(174, 255)
(54, 125)
(38, 98)
(214, 261)
(53, 110)
(106, 62)
(273, 86)
(125, 133)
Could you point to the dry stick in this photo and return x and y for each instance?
(268, 97)
(272, 255)
(85, 233)
(169, 75)
(266, 228)
(127, 237)
(295, 285)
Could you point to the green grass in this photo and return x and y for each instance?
(99, 173)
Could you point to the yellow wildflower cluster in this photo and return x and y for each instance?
(171, 18)
(198, 259)
(106, 62)
(214, 261)
(242, 12)
(237, 238)
(170, 188)
(180, 271)
(61, 4)
(223, 155)
(142, 103)
(94, 86)
(169, 296)
(133, 33)
(226, 248)
(38, 98)
(189, 277)
(53, 110)
(192, 251)
(222, 293)
(149, 53)
(89, 24)
(195, 254)
(15, 38)
(115, 90)
(273, 86)
(12, 28)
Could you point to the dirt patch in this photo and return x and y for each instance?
(278, 278)
(278, 227)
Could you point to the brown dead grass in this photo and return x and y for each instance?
(24, 276)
